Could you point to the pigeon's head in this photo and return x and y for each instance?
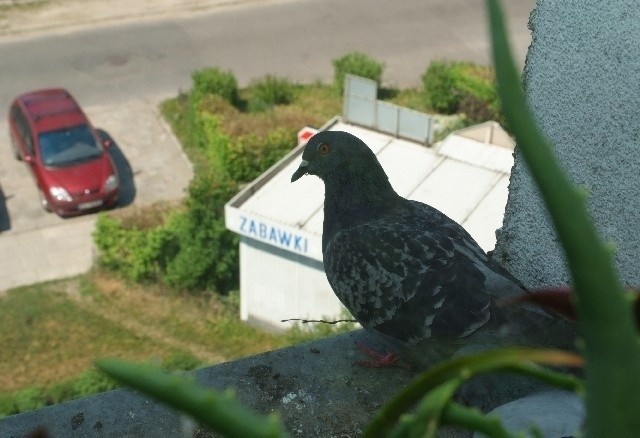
(329, 153)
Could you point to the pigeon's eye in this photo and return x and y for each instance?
(324, 148)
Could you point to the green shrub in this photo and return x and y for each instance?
(206, 253)
(211, 140)
(248, 156)
(209, 81)
(191, 250)
(242, 158)
(463, 87)
(438, 86)
(359, 64)
(138, 254)
(270, 91)
(477, 110)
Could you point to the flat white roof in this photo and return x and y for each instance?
(466, 179)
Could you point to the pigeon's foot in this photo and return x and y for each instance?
(379, 360)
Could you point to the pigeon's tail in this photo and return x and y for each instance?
(512, 326)
(528, 325)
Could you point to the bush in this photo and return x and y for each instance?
(356, 63)
(190, 250)
(138, 254)
(241, 158)
(438, 85)
(206, 253)
(214, 81)
(270, 91)
(246, 157)
(463, 87)
(209, 137)
(477, 110)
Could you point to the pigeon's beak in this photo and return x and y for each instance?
(302, 170)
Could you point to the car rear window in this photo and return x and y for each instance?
(68, 146)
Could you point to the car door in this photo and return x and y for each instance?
(24, 141)
(16, 121)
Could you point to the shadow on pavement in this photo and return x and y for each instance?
(127, 185)
(5, 221)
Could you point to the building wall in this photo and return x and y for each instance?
(581, 80)
(278, 284)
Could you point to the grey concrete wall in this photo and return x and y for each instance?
(582, 78)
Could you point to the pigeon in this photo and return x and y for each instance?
(411, 276)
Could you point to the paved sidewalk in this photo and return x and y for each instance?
(69, 15)
(45, 254)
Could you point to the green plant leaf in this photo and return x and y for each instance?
(220, 411)
(425, 422)
(473, 419)
(516, 360)
(605, 318)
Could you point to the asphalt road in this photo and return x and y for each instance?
(295, 39)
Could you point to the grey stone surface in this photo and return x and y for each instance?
(553, 413)
(317, 388)
(581, 78)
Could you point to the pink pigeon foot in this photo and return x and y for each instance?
(379, 360)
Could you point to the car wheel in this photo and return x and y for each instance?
(16, 153)
(43, 202)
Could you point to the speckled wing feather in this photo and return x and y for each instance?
(411, 258)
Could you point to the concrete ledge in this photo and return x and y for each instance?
(316, 387)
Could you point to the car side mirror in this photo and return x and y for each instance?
(104, 138)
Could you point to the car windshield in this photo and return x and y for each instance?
(68, 146)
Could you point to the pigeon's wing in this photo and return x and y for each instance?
(406, 279)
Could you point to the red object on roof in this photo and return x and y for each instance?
(305, 134)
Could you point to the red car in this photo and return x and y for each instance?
(69, 162)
